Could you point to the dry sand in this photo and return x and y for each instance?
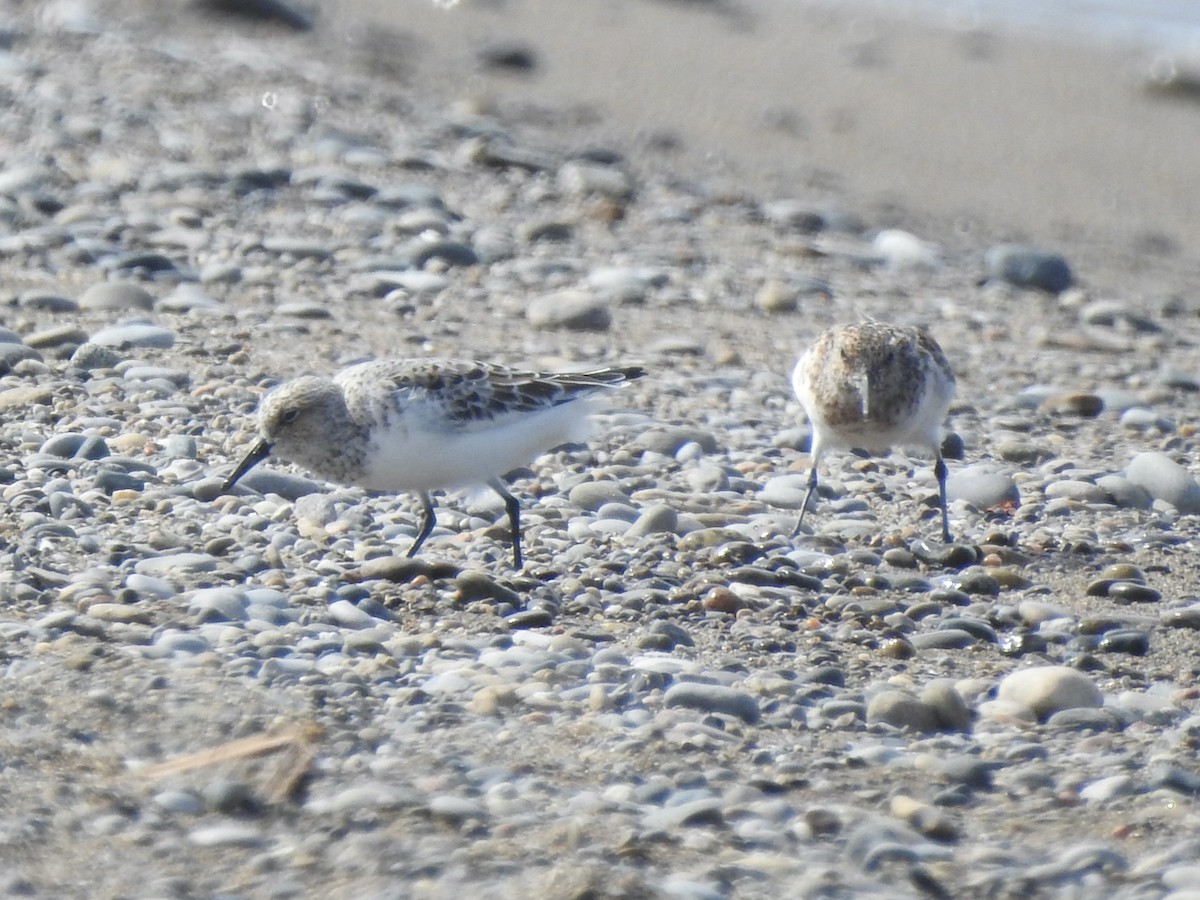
(948, 129)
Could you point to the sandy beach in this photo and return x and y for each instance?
(250, 691)
(958, 131)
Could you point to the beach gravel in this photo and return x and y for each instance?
(254, 694)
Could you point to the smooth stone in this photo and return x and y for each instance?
(116, 295)
(901, 250)
(1111, 313)
(175, 564)
(785, 491)
(1124, 492)
(1081, 491)
(472, 586)
(56, 337)
(901, 709)
(1132, 592)
(218, 604)
(1049, 689)
(794, 214)
(1085, 719)
(591, 495)
(1164, 479)
(1028, 267)
(1109, 788)
(942, 639)
(657, 519)
(1141, 419)
(346, 614)
(266, 480)
(419, 251)
(230, 834)
(135, 334)
(573, 310)
(776, 296)
(11, 354)
(89, 356)
(713, 698)
(581, 178)
(364, 797)
(981, 488)
(182, 803)
(947, 704)
(1187, 617)
(188, 297)
(1125, 640)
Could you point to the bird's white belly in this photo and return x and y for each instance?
(414, 456)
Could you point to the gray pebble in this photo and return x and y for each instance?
(89, 356)
(1124, 492)
(135, 334)
(266, 480)
(947, 704)
(713, 698)
(572, 310)
(981, 488)
(657, 519)
(901, 710)
(1028, 267)
(1164, 479)
(218, 604)
(591, 495)
(228, 834)
(116, 295)
(1046, 690)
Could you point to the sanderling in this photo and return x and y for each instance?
(873, 386)
(424, 424)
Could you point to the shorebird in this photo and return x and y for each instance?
(427, 424)
(874, 386)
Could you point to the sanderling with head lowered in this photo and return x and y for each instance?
(425, 424)
(873, 386)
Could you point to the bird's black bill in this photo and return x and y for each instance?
(260, 451)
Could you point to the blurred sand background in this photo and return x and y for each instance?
(962, 132)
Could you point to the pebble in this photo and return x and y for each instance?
(571, 310)
(134, 334)
(901, 250)
(116, 295)
(1028, 267)
(673, 695)
(1046, 690)
(713, 698)
(1164, 479)
(901, 710)
(982, 488)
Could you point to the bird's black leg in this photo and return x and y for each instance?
(812, 486)
(513, 507)
(939, 469)
(427, 522)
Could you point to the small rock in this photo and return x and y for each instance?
(135, 334)
(116, 295)
(901, 250)
(1046, 690)
(1164, 479)
(901, 709)
(1028, 267)
(713, 698)
(572, 310)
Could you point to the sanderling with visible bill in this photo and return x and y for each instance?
(426, 424)
(873, 386)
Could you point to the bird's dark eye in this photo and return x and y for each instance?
(288, 416)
